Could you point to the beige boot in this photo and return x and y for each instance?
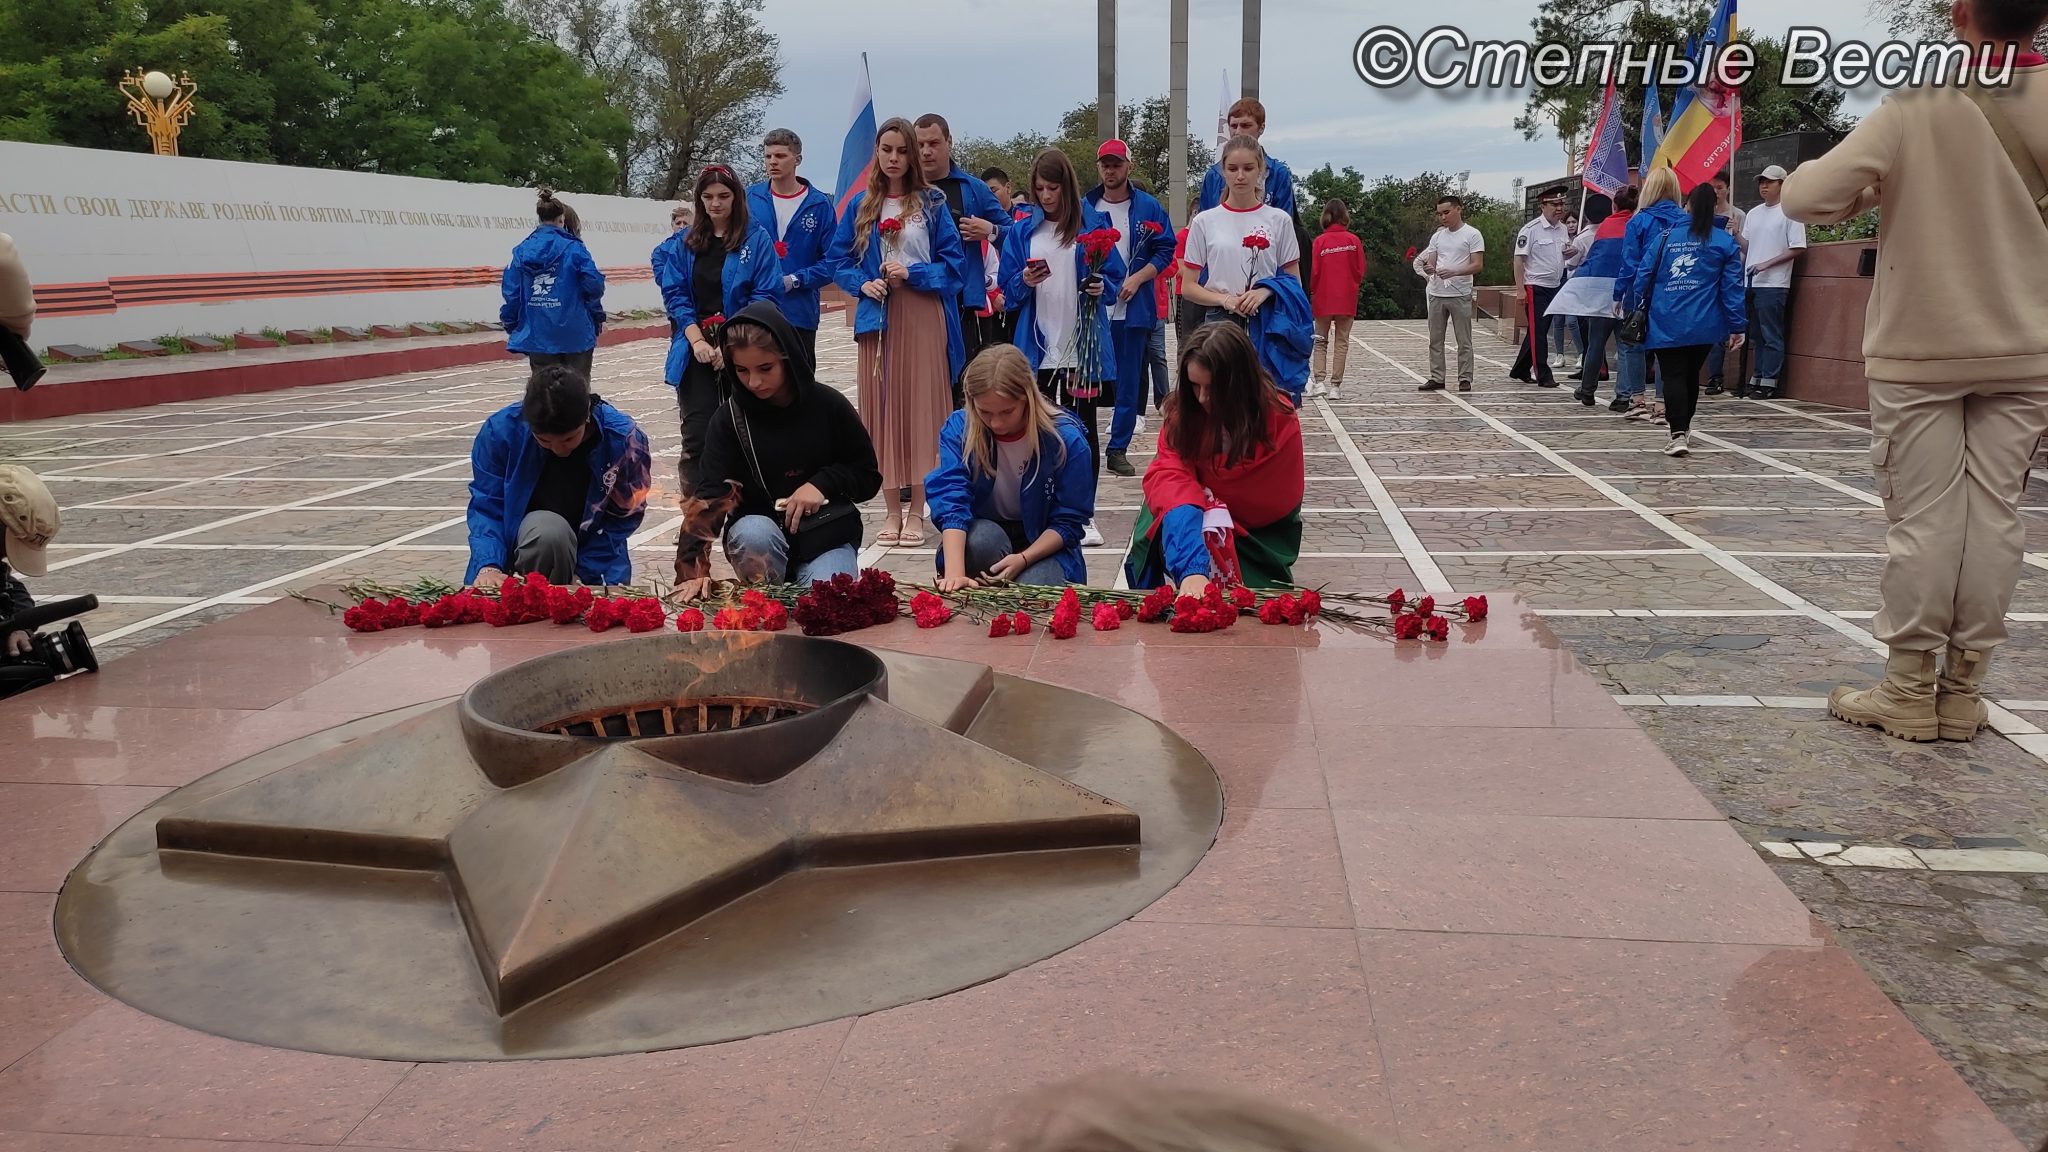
(1902, 705)
(1957, 705)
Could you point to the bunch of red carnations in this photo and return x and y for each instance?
(844, 604)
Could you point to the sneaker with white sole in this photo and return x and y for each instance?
(1315, 389)
(1336, 391)
(1677, 447)
(1091, 536)
(1138, 429)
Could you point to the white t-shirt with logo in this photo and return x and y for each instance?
(1454, 248)
(1771, 234)
(914, 243)
(1216, 245)
(1119, 219)
(1059, 298)
(1013, 459)
(785, 210)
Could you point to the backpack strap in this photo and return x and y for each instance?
(2015, 149)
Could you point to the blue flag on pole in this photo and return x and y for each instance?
(1605, 168)
(1653, 123)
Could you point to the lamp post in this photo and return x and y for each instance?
(161, 105)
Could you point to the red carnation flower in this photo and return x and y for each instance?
(1438, 628)
(1021, 623)
(497, 615)
(781, 249)
(1410, 254)
(1000, 626)
(1257, 242)
(1124, 611)
(1396, 598)
(1282, 609)
(1475, 608)
(1407, 627)
(891, 227)
(1426, 606)
(775, 617)
(1311, 604)
(361, 619)
(690, 620)
(730, 619)
(1106, 618)
(929, 610)
(1242, 597)
(1156, 605)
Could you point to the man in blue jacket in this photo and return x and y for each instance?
(801, 221)
(1145, 241)
(979, 219)
(1247, 117)
(558, 484)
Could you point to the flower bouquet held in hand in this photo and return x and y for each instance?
(1091, 359)
(711, 326)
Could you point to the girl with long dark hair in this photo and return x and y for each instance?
(718, 265)
(898, 254)
(1229, 465)
(554, 294)
(1694, 281)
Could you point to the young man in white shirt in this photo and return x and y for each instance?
(1775, 241)
(1455, 254)
(1539, 272)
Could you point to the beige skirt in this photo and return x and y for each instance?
(906, 390)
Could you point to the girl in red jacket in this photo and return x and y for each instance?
(1337, 269)
(1223, 494)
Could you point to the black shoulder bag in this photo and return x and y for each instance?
(1635, 327)
(830, 513)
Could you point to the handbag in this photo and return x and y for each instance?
(1635, 327)
(828, 514)
(2015, 149)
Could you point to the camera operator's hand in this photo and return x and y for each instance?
(17, 644)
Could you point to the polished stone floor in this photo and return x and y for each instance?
(1716, 598)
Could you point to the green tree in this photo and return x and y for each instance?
(710, 71)
(455, 89)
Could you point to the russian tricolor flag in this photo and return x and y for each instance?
(1590, 291)
(857, 152)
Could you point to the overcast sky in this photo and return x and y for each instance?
(999, 68)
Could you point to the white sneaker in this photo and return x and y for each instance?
(1138, 429)
(1677, 446)
(1091, 536)
(1336, 390)
(1315, 389)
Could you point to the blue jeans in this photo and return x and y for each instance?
(1130, 383)
(1768, 329)
(1630, 367)
(1155, 365)
(1716, 360)
(988, 542)
(756, 544)
(1180, 540)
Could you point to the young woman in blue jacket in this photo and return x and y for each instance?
(1046, 280)
(719, 265)
(554, 294)
(1014, 488)
(1693, 275)
(898, 254)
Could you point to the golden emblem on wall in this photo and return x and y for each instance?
(160, 104)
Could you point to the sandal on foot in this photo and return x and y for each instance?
(889, 537)
(912, 536)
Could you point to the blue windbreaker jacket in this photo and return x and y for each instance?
(1022, 299)
(981, 203)
(1147, 247)
(1284, 334)
(505, 468)
(554, 295)
(1279, 186)
(939, 275)
(1055, 495)
(1699, 296)
(751, 273)
(808, 242)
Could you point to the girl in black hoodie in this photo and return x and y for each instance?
(786, 465)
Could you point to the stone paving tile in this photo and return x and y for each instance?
(1432, 441)
(1795, 440)
(1340, 532)
(1364, 576)
(1857, 530)
(128, 525)
(1455, 532)
(1655, 463)
(346, 527)
(1495, 492)
(1842, 466)
(1687, 656)
(1670, 581)
(1334, 492)
(152, 573)
(411, 494)
(179, 467)
(1501, 464)
(1433, 426)
(1783, 491)
(1850, 584)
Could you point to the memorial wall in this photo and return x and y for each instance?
(130, 246)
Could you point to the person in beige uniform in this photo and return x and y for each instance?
(17, 295)
(1955, 345)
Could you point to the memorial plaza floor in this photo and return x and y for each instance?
(1541, 888)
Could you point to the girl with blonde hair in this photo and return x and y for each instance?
(898, 254)
(1015, 485)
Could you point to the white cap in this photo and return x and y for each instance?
(1774, 172)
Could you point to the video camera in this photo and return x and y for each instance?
(51, 655)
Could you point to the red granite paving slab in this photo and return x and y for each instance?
(1688, 880)
(426, 666)
(1281, 1011)
(1272, 866)
(40, 995)
(1262, 765)
(1448, 686)
(169, 747)
(1615, 1046)
(1177, 684)
(121, 1073)
(47, 828)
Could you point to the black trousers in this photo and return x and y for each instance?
(975, 335)
(580, 361)
(1535, 349)
(697, 400)
(1186, 319)
(1083, 410)
(808, 337)
(1680, 369)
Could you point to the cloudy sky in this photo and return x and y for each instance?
(998, 68)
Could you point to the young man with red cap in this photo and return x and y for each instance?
(1144, 240)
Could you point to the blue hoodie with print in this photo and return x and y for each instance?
(554, 295)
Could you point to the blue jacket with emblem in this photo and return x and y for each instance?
(1057, 492)
(1147, 247)
(1283, 331)
(505, 467)
(750, 273)
(1279, 186)
(940, 275)
(1022, 298)
(808, 243)
(1696, 286)
(554, 295)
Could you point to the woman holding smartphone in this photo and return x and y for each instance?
(1046, 278)
(898, 254)
(1013, 491)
